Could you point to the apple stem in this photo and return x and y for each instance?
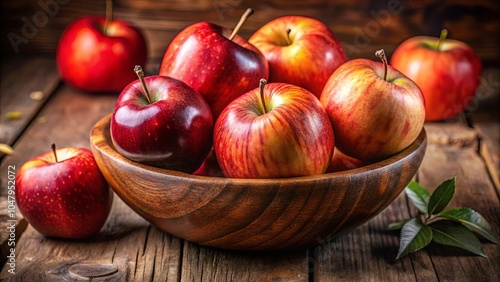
(288, 41)
(243, 19)
(53, 146)
(109, 15)
(262, 83)
(140, 74)
(381, 54)
(442, 37)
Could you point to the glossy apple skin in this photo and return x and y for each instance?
(448, 77)
(219, 69)
(314, 54)
(372, 118)
(92, 61)
(210, 166)
(174, 131)
(294, 137)
(65, 199)
(342, 162)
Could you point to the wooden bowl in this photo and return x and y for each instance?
(255, 214)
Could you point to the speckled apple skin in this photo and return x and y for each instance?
(65, 199)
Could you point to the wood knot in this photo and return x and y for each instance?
(86, 271)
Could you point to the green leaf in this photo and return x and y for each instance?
(441, 196)
(397, 225)
(473, 220)
(455, 234)
(418, 196)
(414, 236)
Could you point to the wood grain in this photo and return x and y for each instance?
(39, 74)
(474, 190)
(123, 241)
(142, 252)
(450, 152)
(485, 116)
(255, 214)
(362, 26)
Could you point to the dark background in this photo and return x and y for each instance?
(363, 26)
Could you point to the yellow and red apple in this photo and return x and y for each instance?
(300, 50)
(447, 71)
(375, 110)
(276, 130)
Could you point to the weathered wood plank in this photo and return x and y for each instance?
(209, 264)
(138, 251)
(474, 190)
(486, 118)
(27, 83)
(362, 26)
(368, 253)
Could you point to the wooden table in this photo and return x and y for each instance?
(467, 147)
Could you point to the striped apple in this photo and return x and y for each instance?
(375, 110)
(276, 130)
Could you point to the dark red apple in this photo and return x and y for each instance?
(163, 122)
(216, 62)
(210, 166)
(375, 110)
(447, 71)
(276, 130)
(300, 50)
(96, 54)
(63, 193)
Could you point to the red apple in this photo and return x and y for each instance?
(210, 166)
(96, 54)
(342, 162)
(215, 61)
(161, 121)
(300, 50)
(447, 71)
(277, 130)
(63, 193)
(375, 110)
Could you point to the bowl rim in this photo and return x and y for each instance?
(104, 145)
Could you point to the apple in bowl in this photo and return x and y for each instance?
(214, 60)
(300, 50)
(276, 130)
(255, 214)
(375, 110)
(163, 122)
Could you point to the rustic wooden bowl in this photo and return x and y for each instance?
(255, 214)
